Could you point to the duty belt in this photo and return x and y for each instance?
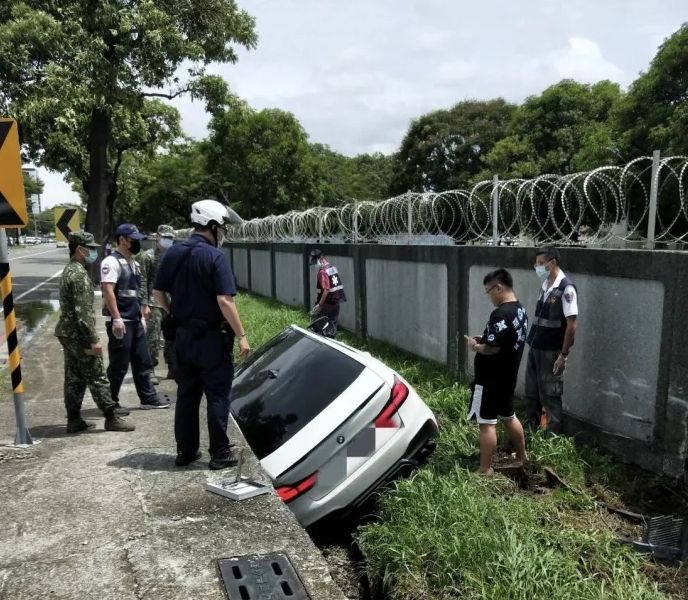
(127, 293)
(540, 322)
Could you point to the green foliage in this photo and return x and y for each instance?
(263, 158)
(445, 149)
(77, 76)
(654, 113)
(563, 129)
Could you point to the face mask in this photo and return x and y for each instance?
(165, 243)
(135, 247)
(92, 256)
(541, 272)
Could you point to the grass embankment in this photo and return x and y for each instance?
(449, 533)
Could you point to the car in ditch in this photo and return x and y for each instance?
(328, 423)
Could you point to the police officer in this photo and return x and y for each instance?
(120, 278)
(76, 330)
(150, 260)
(197, 275)
(550, 338)
(330, 289)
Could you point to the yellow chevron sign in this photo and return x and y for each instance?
(66, 221)
(12, 200)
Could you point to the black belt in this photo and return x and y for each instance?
(201, 325)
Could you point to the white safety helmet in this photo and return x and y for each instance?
(206, 212)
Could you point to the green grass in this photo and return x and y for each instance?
(449, 533)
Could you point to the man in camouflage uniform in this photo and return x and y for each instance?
(76, 330)
(149, 261)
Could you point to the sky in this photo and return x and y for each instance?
(356, 73)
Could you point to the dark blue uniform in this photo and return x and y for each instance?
(194, 273)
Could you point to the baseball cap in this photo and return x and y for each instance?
(131, 231)
(82, 238)
(314, 255)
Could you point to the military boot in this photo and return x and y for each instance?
(114, 422)
(79, 425)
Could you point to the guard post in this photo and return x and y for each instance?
(12, 214)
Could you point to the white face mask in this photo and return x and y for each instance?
(165, 243)
(220, 238)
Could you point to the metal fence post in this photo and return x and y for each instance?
(355, 221)
(320, 227)
(654, 191)
(409, 208)
(495, 210)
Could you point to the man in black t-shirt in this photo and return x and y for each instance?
(498, 356)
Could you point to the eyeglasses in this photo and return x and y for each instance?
(488, 290)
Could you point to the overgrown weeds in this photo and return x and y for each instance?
(449, 533)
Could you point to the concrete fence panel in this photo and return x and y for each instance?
(240, 266)
(406, 304)
(289, 278)
(261, 272)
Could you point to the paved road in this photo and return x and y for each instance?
(36, 272)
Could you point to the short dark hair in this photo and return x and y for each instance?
(500, 276)
(550, 252)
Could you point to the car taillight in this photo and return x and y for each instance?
(290, 492)
(399, 394)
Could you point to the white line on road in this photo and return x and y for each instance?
(35, 287)
(23, 256)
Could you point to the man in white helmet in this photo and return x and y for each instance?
(197, 276)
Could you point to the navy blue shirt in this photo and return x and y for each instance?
(195, 281)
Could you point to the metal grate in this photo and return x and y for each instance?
(254, 577)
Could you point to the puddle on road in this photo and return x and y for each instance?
(30, 316)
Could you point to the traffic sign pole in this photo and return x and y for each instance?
(12, 214)
(23, 436)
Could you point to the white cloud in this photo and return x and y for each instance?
(583, 60)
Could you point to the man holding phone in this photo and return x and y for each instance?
(498, 353)
(76, 330)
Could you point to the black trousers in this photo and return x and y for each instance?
(203, 365)
(131, 349)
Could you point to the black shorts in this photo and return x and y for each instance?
(490, 404)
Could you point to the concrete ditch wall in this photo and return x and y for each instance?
(627, 382)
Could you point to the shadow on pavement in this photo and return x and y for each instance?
(58, 431)
(154, 461)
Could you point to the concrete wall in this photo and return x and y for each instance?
(347, 311)
(289, 278)
(416, 322)
(240, 266)
(261, 272)
(626, 386)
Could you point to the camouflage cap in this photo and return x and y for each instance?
(166, 231)
(82, 238)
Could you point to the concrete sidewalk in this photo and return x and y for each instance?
(108, 515)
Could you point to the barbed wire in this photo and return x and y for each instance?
(609, 203)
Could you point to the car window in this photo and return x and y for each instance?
(287, 383)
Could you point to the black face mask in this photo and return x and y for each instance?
(135, 247)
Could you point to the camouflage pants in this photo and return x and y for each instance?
(154, 335)
(543, 391)
(81, 372)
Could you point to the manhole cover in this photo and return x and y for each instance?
(256, 577)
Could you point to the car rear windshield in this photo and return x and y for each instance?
(286, 384)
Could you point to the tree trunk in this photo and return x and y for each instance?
(99, 180)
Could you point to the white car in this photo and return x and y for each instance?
(328, 423)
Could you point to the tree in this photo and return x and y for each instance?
(444, 149)
(654, 113)
(564, 129)
(263, 159)
(78, 75)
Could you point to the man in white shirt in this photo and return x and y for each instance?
(120, 278)
(550, 338)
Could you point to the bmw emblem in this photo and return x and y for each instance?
(340, 439)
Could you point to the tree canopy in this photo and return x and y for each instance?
(80, 77)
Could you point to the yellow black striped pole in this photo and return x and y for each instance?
(23, 436)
